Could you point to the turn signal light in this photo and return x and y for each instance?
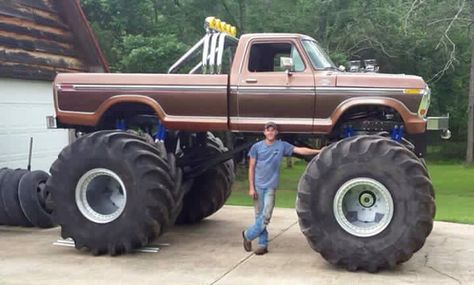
(413, 91)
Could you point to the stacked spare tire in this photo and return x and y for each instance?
(24, 199)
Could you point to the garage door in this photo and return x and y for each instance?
(24, 104)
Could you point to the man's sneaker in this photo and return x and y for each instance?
(261, 251)
(247, 243)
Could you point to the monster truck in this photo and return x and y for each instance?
(145, 156)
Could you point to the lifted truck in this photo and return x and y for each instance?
(146, 158)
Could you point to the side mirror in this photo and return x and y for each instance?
(287, 64)
(341, 68)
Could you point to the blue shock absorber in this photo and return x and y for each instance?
(120, 124)
(348, 131)
(397, 133)
(160, 132)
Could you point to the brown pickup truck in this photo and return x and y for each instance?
(145, 156)
(310, 98)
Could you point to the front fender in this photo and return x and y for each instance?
(413, 123)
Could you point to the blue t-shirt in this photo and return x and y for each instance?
(268, 159)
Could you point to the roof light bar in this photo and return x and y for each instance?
(215, 24)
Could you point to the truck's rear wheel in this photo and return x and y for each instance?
(112, 192)
(365, 202)
(210, 190)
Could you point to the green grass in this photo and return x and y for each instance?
(454, 190)
(453, 183)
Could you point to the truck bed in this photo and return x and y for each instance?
(182, 101)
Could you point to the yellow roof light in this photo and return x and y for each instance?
(413, 91)
(222, 27)
(217, 24)
(213, 23)
(233, 31)
(209, 22)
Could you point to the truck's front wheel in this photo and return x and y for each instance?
(365, 202)
(112, 192)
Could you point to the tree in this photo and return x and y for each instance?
(470, 120)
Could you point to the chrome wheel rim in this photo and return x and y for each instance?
(101, 195)
(363, 207)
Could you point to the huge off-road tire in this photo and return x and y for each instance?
(10, 199)
(112, 192)
(210, 190)
(33, 196)
(3, 215)
(366, 203)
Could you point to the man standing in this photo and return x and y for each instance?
(264, 172)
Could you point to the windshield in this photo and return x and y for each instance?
(319, 59)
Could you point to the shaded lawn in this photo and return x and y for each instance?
(454, 190)
(453, 183)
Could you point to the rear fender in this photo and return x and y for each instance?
(93, 118)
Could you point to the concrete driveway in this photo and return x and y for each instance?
(211, 253)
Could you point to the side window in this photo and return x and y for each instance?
(227, 56)
(265, 57)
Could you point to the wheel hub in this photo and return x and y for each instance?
(101, 195)
(363, 207)
(367, 199)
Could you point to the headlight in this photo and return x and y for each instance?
(425, 103)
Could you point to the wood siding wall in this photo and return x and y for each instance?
(36, 42)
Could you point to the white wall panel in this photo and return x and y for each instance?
(24, 104)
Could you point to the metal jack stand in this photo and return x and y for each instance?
(147, 249)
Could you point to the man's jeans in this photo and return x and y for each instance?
(263, 205)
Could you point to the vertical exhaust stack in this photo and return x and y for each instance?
(370, 65)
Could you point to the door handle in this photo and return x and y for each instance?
(251, 80)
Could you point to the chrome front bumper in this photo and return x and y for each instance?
(439, 124)
(51, 122)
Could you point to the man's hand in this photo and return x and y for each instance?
(253, 193)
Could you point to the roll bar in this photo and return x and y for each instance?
(212, 45)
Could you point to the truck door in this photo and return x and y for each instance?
(266, 92)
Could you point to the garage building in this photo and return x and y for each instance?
(38, 39)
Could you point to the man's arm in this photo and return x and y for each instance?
(252, 192)
(305, 151)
